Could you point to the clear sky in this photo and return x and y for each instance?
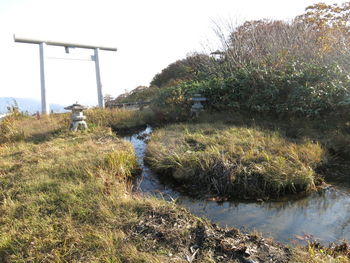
(149, 34)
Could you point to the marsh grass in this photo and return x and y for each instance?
(8, 131)
(64, 198)
(119, 119)
(332, 133)
(235, 161)
(53, 200)
(17, 127)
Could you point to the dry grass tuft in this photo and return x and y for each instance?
(235, 161)
(118, 119)
(316, 253)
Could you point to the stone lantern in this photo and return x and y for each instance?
(78, 118)
(197, 106)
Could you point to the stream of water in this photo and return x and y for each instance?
(324, 216)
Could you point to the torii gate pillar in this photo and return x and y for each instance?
(45, 109)
(101, 103)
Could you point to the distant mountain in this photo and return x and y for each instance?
(26, 105)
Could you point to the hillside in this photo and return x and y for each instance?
(26, 104)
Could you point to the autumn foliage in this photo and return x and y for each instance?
(300, 67)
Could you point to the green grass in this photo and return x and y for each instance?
(235, 161)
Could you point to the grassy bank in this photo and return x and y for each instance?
(333, 134)
(233, 161)
(59, 190)
(65, 198)
(119, 120)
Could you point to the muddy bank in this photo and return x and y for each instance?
(127, 131)
(181, 237)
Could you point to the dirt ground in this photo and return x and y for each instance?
(189, 239)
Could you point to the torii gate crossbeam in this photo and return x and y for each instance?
(42, 46)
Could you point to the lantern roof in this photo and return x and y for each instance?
(76, 106)
(198, 97)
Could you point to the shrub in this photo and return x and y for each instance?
(296, 68)
(300, 89)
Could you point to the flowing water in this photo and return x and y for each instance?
(324, 216)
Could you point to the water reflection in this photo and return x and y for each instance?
(325, 215)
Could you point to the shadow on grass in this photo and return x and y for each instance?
(46, 136)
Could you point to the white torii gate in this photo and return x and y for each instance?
(42, 44)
